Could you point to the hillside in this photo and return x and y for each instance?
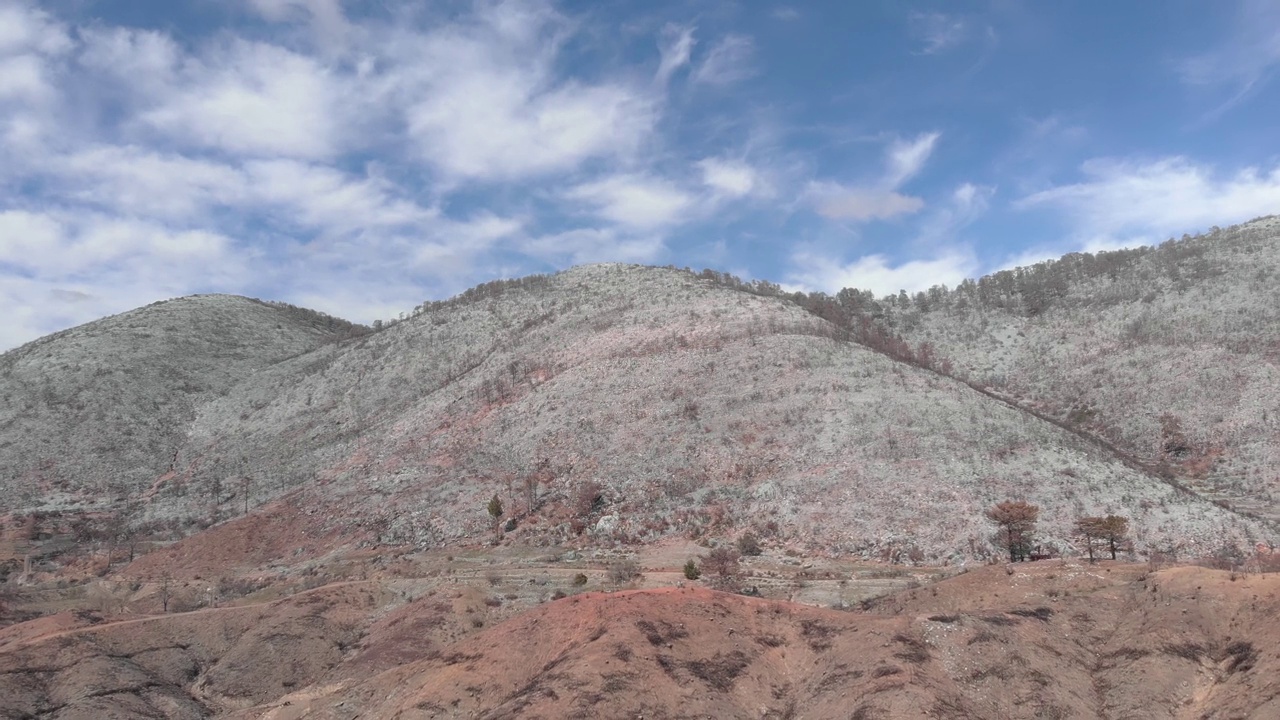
(1172, 353)
(94, 414)
(309, 504)
(627, 403)
(643, 402)
(1060, 639)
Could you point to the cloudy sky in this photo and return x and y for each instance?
(361, 157)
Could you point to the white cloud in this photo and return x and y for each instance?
(31, 45)
(489, 128)
(1246, 56)
(141, 64)
(595, 245)
(939, 32)
(134, 192)
(24, 78)
(1151, 199)
(74, 267)
(880, 200)
(254, 99)
(967, 203)
(141, 164)
(68, 244)
(876, 273)
(634, 200)
(325, 13)
(729, 61)
(176, 188)
(483, 230)
(137, 181)
(28, 238)
(323, 198)
(907, 157)
(729, 178)
(451, 249)
(487, 103)
(675, 45)
(853, 203)
(26, 29)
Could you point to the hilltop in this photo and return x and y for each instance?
(93, 415)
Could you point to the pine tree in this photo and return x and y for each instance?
(1017, 521)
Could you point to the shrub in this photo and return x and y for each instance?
(691, 570)
(722, 561)
(624, 570)
(1040, 613)
(749, 544)
(580, 579)
(588, 498)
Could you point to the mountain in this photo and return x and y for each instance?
(92, 415)
(1170, 353)
(627, 403)
(305, 502)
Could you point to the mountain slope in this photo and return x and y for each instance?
(1172, 353)
(608, 403)
(94, 413)
(642, 402)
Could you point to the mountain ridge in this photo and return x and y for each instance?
(683, 405)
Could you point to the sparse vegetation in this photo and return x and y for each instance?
(623, 571)
(1112, 531)
(1144, 434)
(722, 564)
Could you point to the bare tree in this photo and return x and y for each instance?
(542, 475)
(722, 563)
(166, 590)
(1017, 521)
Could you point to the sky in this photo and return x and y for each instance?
(362, 157)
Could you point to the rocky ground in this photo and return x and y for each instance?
(553, 633)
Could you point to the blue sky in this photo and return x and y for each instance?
(361, 157)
